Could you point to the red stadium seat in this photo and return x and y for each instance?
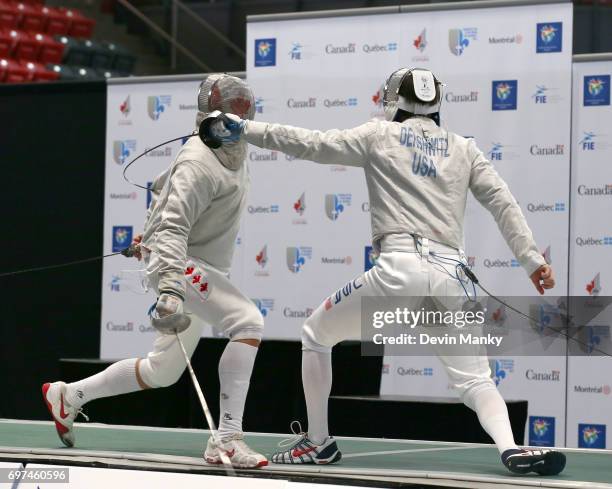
(3, 68)
(26, 47)
(51, 51)
(32, 19)
(38, 72)
(15, 73)
(58, 24)
(81, 26)
(9, 15)
(7, 43)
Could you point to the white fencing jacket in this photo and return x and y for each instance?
(195, 210)
(418, 176)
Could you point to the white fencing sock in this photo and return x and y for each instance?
(235, 367)
(119, 378)
(317, 382)
(493, 416)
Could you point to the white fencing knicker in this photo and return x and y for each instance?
(405, 268)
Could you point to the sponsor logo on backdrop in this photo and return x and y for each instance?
(377, 100)
(369, 258)
(547, 376)
(115, 283)
(547, 254)
(379, 48)
(498, 316)
(501, 369)
(456, 98)
(499, 263)
(265, 52)
(119, 327)
(544, 95)
(471, 261)
(593, 288)
(596, 90)
(460, 39)
(263, 155)
(595, 335)
(165, 152)
(553, 150)
(265, 306)
(259, 105)
(336, 204)
(188, 107)
(261, 259)
(591, 141)
(342, 49)
(149, 194)
(504, 95)
(299, 207)
(122, 150)
(546, 207)
(549, 37)
(263, 209)
(502, 152)
(415, 372)
(365, 207)
(157, 105)
(591, 241)
(309, 103)
(385, 369)
(305, 313)
(126, 107)
(593, 389)
(420, 43)
(332, 260)
(123, 196)
(296, 51)
(505, 40)
(122, 237)
(347, 102)
(541, 431)
(297, 256)
(591, 435)
(605, 190)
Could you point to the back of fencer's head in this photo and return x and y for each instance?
(225, 93)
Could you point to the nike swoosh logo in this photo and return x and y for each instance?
(298, 453)
(63, 413)
(539, 462)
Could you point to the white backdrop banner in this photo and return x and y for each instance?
(507, 84)
(589, 392)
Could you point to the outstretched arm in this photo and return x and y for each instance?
(493, 193)
(336, 147)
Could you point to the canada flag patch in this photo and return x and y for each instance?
(198, 279)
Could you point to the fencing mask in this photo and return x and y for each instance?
(415, 91)
(227, 94)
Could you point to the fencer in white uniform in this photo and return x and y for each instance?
(188, 243)
(418, 177)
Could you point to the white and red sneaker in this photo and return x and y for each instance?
(240, 454)
(61, 412)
